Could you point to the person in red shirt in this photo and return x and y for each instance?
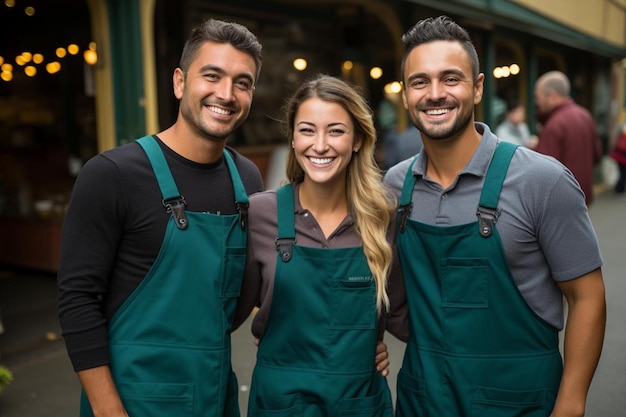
(568, 130)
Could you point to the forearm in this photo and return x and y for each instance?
(101, 391)
(584, 336)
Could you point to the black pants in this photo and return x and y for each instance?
(621, 183)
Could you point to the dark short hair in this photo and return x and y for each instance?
(440, 28)
(213, 30)
(512, 104)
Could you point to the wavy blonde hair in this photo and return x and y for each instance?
(368, 201)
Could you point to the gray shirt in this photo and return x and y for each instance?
(401, 146)
(544, 224)
(518, 134)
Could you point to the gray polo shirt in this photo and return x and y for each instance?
(543, 223)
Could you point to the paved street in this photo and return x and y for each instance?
(45, 385)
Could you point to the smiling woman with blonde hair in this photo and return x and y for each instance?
(317, 264)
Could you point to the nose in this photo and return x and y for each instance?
(224, 89)
(320, 145)
(436, 91)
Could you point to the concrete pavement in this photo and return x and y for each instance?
(45, 385)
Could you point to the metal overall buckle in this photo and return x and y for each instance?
(176, 206)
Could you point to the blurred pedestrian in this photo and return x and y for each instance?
(619, 155)
(568, 131)
(398, 146)
(514, 128)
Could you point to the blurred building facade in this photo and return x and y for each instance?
(51, 123)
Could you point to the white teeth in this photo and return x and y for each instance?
(321, 161)
(219, 110)
(436, 112)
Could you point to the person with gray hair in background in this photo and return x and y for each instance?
(568, 131)
(490, 237)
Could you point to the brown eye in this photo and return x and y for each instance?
(244, 85)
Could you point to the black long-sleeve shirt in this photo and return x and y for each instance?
(113, 231)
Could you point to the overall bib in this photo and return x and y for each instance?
(476, 348)
(316, 357)
(170, 341)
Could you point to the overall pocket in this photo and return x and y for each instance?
(230, 283)
(284, 406)
(353, 304)
(465, 283)
(149, 399)
(411, 396)
(378, 405)
(492, 402)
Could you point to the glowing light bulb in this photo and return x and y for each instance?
(300, 64)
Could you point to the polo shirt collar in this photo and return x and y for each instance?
(479, 162)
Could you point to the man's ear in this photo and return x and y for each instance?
(478, 88)
(178, 83)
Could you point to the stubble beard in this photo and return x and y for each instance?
(199, 125)
(441, 132)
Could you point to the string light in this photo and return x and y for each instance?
(53, 67)
(30, 70)
(376, 73)
(506, 71)
(90, 57)
(300, 64)
(393, 87)
(30, 61)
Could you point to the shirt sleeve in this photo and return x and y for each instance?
(91, 232)
(565, 232)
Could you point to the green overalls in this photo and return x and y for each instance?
(476, 348)
(170, 341)
(316, 357)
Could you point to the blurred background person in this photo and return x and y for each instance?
(568, 131)
(399, 146)
(513, 127)
(619, 155)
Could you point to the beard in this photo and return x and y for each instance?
(215, 133)
(441, 131)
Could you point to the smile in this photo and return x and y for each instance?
(437, 112)
(321, 161)
(219, 110)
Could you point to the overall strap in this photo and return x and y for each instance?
(487, 210)
(286, 222)
(406, 205)
(172, 200)
(241, 197)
